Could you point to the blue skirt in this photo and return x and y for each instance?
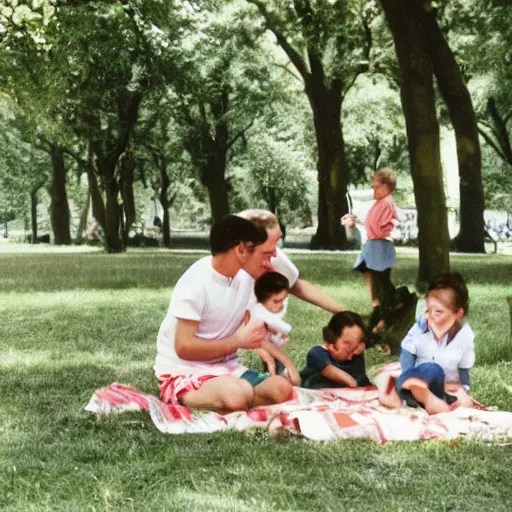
(376, 255)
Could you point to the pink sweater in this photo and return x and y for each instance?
(379, 219)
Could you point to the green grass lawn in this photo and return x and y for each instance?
(72, 323)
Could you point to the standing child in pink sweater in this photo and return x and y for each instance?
(378, 256)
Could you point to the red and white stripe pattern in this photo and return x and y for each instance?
(322, 415)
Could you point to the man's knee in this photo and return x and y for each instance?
(224, 393)
(281, 387)
(237, 395)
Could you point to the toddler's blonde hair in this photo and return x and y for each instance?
(386, 176)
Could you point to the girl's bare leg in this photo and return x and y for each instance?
(420, 391)
(368, 279)
(387, 392)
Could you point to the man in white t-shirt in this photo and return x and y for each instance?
(197, 363)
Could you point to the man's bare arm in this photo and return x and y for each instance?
(310, 293)
(192, 348)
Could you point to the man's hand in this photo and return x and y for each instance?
(282, 340)
(251, 335)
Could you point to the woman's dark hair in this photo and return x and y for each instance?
(269, 284)
(338, 322)
(455, 282)
(233, 230)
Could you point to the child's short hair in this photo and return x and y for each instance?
(386, 176)
(332, 331)
(269, 284)
(455, 282)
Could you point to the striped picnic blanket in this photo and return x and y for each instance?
(321, 415)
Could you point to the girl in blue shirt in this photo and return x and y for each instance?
(437, 352)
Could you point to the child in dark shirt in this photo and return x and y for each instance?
(340, 361)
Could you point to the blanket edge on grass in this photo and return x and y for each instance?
(319, 415)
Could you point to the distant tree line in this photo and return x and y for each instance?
(245, 103)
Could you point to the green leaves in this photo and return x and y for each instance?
(27, 21)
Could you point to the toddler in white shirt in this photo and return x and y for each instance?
(271, 291)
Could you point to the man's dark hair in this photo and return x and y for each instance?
(233, 230)
(269, 284)
(455, 282)
(339, 321)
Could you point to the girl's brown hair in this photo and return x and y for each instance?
(455, 282)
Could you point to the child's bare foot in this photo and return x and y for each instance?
(387, 393)
(420, 391)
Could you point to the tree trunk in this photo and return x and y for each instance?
(270, 194)
(98, 205)
(214, 172)
(82, 222)
(33, 214)
(458, 100)
(217, 187)
(112, 212)
(107, 151)
(126, 188)
(332, 170)
(325, 101)
(59, 200)
(164, 201)
(418, 103)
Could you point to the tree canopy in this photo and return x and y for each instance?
(218, 106)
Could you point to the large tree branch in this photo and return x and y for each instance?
(272, 24)
(240, 134)
(493, 144)
(368, 36)
(128, 113)
(44, 144)
(288, 70)
(500, 129)
(82, 162)
(310, 32)
(39, 184)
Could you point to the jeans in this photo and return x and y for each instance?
(431, 373)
